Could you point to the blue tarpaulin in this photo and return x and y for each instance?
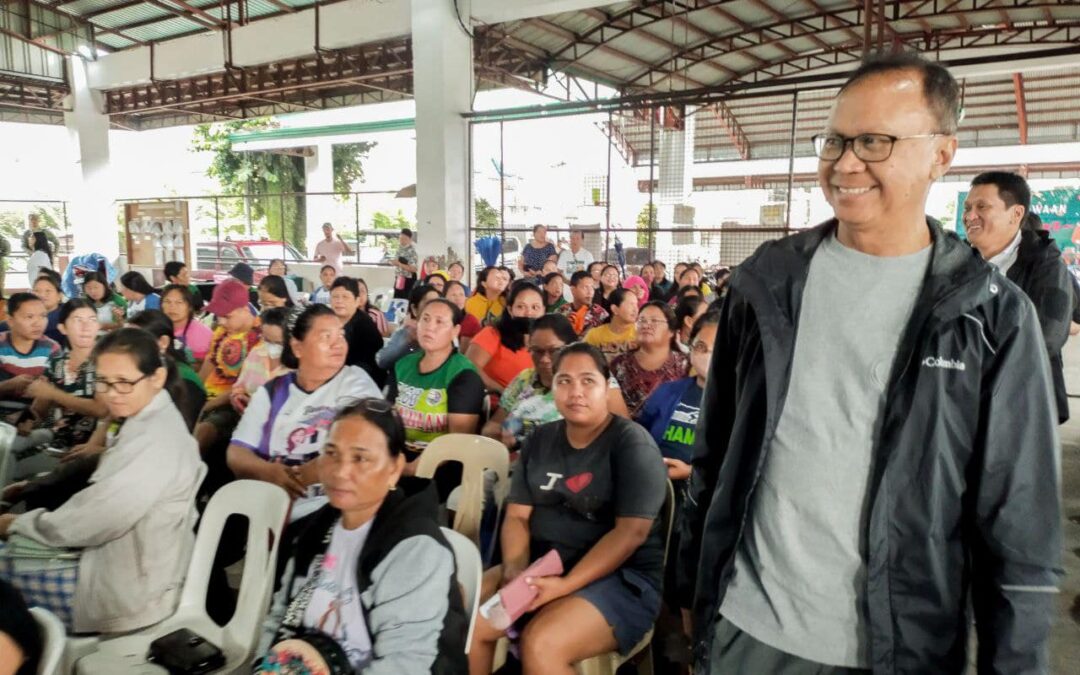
(79, 266)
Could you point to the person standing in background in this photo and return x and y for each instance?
(34, 220)
(406, 261)
(577, 257)
(330, 249)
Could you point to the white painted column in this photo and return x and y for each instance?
(319, 209)
(443, 89)
(92, 211)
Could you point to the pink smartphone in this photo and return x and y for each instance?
(516, 596)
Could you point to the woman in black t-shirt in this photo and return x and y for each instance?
(591, 487)
(361, 333)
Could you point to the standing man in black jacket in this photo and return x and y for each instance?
(878, 437)
(995, 211)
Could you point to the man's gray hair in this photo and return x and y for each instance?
(940, 89)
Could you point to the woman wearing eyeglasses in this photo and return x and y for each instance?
(656, 360)
(134, 522)
(528, 401)
(374, 589)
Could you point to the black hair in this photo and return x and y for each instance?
(619, 295)
(136, 282)
(538, 226)
(274, 260)
(1011, 187)
(407, 232)
(659, 262)
(551, 276)
(379, 413)
(17, 300)
(300, 328)
(709, 318)
(416, 296)
(456, 262)
(456, 315)
(100, 278)
(664, 309)
(70, 306)
(512, 332)
(481, 289)
(275, 285)
(327, 267)
(49, 280)
(155, 322)
(513, 275)
(588, 350)
(690, 268)
(367, 291)
(41, 243)
(606, 266)
(348, 283)
(687, 307)
(454, 282)
(578, 276)
(593, 264)
(276, 316)
(51, 275)
(142, 345)
(185, 294)
(558, 324)
(1032, 222)
(173, 269)
(939, 87)
(685, 291)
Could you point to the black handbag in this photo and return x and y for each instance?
(185, 652)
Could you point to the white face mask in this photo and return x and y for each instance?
(274, 351)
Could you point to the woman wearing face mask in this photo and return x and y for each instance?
(609, 283)
(489, 301)
(655, 361)
(135, 521)
(528, 401)
(263, 362)
(501, 352)
(458, 293)
(178, 304)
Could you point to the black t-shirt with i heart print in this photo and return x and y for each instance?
(577, 494)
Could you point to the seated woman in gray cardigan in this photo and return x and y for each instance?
(133, 522)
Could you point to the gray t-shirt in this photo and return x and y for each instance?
(800, 571)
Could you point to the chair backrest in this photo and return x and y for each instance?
(266, 507)
(476, 454)
(52, 640)
(7, 459)
(469, 573)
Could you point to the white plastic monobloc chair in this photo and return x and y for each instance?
(52, 641)
(469, 572)
(7, 460)
(476, 454)
(266, 506)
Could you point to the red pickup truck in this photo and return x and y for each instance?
(214, 259)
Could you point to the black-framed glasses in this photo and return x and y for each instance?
(119, 386)
(867, 147)
(538, 353)
(376, 405)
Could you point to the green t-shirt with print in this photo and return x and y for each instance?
(426, 400)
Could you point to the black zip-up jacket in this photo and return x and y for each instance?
(965, 489)
(1042, 275)
(406, 518)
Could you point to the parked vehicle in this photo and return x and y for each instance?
(213, 259)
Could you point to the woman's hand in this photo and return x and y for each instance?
(284, 477)
(82, 450)
(677, 469)
(308, 473)
(41, 389)
(239, 399)
(550, 588)
(5, 523)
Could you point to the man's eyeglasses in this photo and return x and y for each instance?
(119, 386)
(538, 353)
(867, 147)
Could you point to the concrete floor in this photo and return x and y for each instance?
(1065, 646)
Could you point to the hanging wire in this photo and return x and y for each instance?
(464, 28)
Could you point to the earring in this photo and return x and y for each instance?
(393, 487)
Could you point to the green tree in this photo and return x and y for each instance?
(270, 179)
(646, 221)
(485, 215)
(384, 221)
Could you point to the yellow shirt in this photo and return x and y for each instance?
(611, 343)
(486, 311)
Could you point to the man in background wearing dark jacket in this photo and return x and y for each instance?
(878, 437)
(995, 211)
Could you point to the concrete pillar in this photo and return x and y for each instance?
(443, 89)
(92, 211)
(319, 209)
(675, 184)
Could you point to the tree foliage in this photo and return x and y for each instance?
(271, 181)
(485, 215)
(384, 221)
(646, 221)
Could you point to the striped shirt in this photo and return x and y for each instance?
(14, 363)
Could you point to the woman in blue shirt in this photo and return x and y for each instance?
(139, 293)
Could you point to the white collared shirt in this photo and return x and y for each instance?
(1007, 258)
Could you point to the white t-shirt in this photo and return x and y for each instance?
(37, 261)
(333, 250)
(302, 423)
(570, 262)
(335, 607)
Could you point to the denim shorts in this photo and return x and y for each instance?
(629, 602)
